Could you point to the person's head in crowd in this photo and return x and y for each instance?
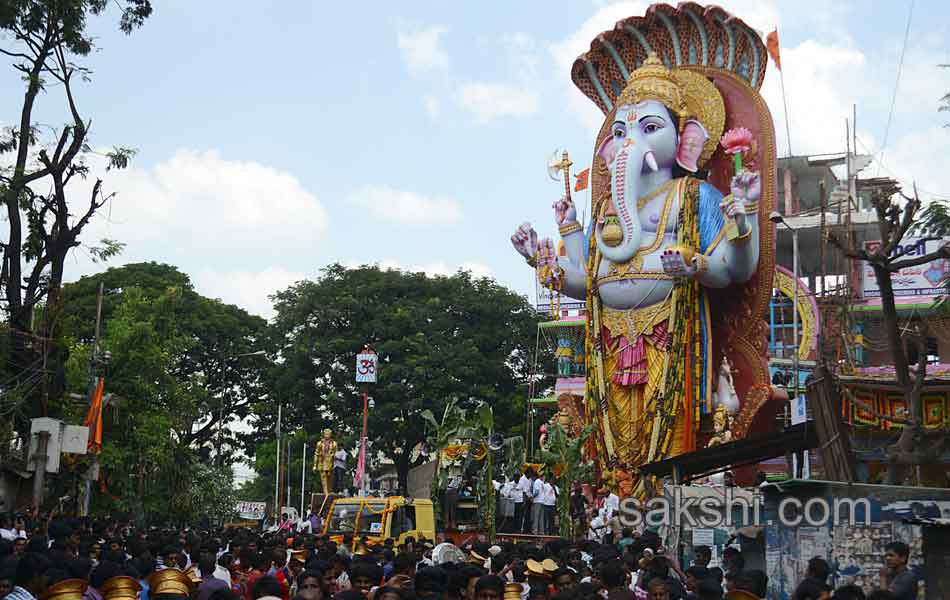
(262, 562)
(279, 556)
(348, 595)
(896, 555)
(564, 579)
(364, 575)
(169, 556)
(103, 572)
(462, 582)
(708, 589)
(7, 576)
(703, 555)
(388, 593)
(19, 546)
(310, 585)
(266, 587)
(659, 589)
(207, 557)
(79, 568)
(694, 575)
(489, 587)
(31, 573)
(818, 569)
(431, 583)
(405, 564)
(613, 575)
(538, 592)
(753, 580)
(848, 592)
(811, 589)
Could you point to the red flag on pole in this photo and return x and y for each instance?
(94, 420)
(583, 178)
(771, 44)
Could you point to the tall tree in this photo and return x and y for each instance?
(898, 216)
(178, 376)
(438, 339)
(43, 39)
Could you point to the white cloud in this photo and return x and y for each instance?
(820, 80)
(488, 101)
(422, 50)
(199, 197)
(439, 268)
(433, 105)
(223, 222)
(248, 289)
(404, 207)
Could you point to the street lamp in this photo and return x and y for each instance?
(779, 220)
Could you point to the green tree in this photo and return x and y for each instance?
(43, 40)
(438, 338)
(900, 215)
(176, 376)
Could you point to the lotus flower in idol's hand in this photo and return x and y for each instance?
(735, 142)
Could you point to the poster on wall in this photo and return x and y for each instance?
(922, 280)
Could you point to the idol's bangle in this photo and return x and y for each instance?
(702, 263)
(569, 228)
(744, 238)
(751, 208)
(533, 261)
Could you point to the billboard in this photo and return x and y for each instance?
(922, 280)
(251, 510)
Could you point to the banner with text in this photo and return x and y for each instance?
(922, 280)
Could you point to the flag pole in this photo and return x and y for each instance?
(774, 49)
(788, 135)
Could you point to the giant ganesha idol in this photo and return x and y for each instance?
(676, 263)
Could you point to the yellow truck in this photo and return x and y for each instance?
(378, 519)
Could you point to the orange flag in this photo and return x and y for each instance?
(94, 420)
(771, 44)
(582, 180)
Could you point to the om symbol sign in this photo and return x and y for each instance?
(366, 367)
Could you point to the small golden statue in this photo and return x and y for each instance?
(721, 424)
(323, 460)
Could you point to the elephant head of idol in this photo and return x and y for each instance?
(663, 119)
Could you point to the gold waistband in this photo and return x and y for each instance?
(632, 323)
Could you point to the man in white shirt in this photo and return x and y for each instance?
(207, 556)
(522, 502)
(537, 505)
(548, 500)
(598, 525)
(612, 504)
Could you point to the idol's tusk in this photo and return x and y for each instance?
(650, 160)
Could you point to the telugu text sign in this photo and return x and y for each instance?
(922, 280)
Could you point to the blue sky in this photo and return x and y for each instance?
(415, 134)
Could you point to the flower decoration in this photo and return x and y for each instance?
(479, 452)
(735, 142)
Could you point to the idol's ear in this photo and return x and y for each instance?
(691, 145)
(608, 149)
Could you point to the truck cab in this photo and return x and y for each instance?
(378, 519)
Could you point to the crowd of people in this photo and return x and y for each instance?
(84, 559)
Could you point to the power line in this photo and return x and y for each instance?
(900, 68)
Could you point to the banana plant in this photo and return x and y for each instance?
(564, 460)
